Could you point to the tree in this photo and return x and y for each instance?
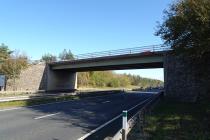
(66, 55)
(186, 27)
(48, 58)
(12, 67)
(4, 52)
(12, 62)
(83, 79)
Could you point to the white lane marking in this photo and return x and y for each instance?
(33, 106)
(98, 128)
(105, 102)
(10, 109)
(45, 116)
(103, 125)
(152, 92)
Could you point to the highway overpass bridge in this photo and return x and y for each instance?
(62, 75)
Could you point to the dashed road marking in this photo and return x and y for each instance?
(45, 116)
(87, 98)
(105, 102)
(105, 124)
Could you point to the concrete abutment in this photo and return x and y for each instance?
(60, 80)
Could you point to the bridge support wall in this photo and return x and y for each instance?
(186, 79)
(180, 81)
(61, 80)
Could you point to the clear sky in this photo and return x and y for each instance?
(37, 27)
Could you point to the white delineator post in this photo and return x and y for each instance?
(124, 125)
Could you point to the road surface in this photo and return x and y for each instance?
(68, 120)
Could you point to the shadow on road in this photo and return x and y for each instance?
(86, 114)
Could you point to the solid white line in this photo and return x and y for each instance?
(45, 116)
(98, 128)
(33, 106)
(10, 109)
(143, 92)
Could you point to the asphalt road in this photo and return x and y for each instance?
(65, 120)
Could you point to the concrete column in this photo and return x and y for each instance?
(61, 80)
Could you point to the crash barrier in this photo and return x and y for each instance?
(127, 125)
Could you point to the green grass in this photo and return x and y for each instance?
(177, 121)
(12, 94)
(31, 102)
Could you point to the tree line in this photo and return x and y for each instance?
(112, 79)
(64, 55)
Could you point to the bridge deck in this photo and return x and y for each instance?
(131, 58)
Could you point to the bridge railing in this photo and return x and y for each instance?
(136, 50)
(143, 49)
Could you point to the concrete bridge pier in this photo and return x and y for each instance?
(61, 80)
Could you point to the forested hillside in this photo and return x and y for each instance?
(112, 79)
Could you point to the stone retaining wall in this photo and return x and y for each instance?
(186, 78)
(31, 79)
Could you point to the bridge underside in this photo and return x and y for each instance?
(117, 67)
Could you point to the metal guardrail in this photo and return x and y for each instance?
(136, 50)
(139, 116)
(114, 132)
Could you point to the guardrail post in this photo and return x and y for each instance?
(141, 121)
(125, 125)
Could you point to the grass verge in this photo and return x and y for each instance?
(31, 102)
(176, 121)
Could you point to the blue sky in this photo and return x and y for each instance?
(36, 27)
